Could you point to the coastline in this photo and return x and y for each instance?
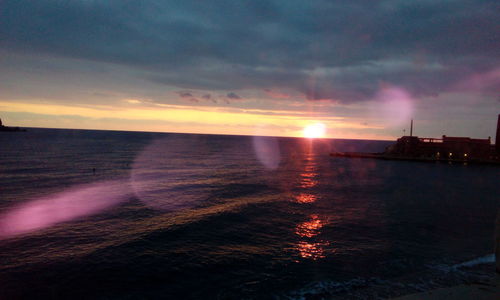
(384, 156)
(482, 290)
(487, 290)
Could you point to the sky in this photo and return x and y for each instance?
(361, 68)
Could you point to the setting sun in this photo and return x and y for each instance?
(316, 130)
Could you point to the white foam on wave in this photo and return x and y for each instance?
(487, 259)
(328, 287)
(378, 287)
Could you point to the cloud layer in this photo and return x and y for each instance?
(335, 50)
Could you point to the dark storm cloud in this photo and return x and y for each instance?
(233, 96)
(185, 94)
(208, 97)
(324, 49)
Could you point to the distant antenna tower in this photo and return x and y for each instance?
(411, 128)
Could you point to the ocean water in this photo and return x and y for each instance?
(130, 215)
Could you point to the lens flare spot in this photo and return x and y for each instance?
(267, 151)
(160, 176)
(395, 104)
(69, 205)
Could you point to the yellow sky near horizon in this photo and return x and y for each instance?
(185, 119)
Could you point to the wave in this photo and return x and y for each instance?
(375, 287)
(487, 259)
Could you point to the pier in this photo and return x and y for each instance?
(445, 149)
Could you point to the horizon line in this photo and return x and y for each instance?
(197, 133)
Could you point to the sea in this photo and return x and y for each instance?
(87, 214)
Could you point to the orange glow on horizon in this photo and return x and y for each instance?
(136, 116)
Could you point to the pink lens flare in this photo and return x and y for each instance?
(74, 203)
(396, 105)
(487, 82)
(267, 150)
(160, 176)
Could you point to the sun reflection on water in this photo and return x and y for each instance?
(309, 228)
(308, 248)
(312, 251)
(308, 183)
(309, 174)
(305, 198)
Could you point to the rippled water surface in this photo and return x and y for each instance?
(101, 214)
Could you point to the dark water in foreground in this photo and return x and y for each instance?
(228, 217)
